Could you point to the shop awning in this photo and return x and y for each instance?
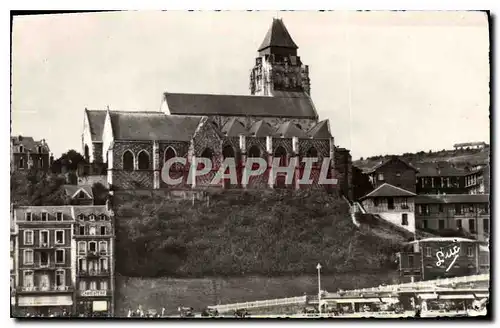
(390, 300)
(64, 300)
(456, 297)
(428, 296)
(356, 300)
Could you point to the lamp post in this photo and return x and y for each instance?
(318, 267)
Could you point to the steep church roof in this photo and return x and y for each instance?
(96, 123)
(261, 129)
(289, 130)
(277, 36)
(234, 128)
(320, 130)
(153, 126)
(297, 104)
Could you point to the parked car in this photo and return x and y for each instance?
(186, 312)
(210, 312)
(241, 313)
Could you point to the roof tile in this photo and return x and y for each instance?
(153, 126)
(296, 104)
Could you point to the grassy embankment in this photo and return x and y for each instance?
(245, 245)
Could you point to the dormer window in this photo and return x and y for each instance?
(380, 177)
(21, 149)
(59, 216)
(103, 217)
(29, 216)
(81, 217)
(39, 149)
(81, 194)
(45, 216)
(92, 217)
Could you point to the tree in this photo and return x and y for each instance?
(37, 188)
(100, 193)
(69, 160)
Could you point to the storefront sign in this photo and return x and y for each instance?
(93, 293)
(45, 300)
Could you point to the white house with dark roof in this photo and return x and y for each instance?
(392, 204)
(277, 119)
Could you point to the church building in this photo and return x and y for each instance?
(277, 119)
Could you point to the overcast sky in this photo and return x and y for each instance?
(390, 82)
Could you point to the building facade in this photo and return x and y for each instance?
(46, 260)
(278, 120)
(26, 153)
(469, 213)
(393, 171)
(45, 273)
(392, 204)
(445, 178)
(435, 258)
(13, 262)
(94, 236)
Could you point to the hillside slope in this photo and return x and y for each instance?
(243, 233)
(458, 157)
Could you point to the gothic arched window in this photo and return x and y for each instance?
(169, 153)
(228, 152)
(254, 152)
(128, 161)
(207, 153)
(280, 152)
(143, 160)
(312, 152)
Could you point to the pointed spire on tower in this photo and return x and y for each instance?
(278, 36)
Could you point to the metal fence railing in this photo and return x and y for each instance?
(260, 304)
(303, 299)
(429, 283)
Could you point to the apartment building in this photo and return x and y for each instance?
(469, 213)
(94, 236)
(44, 270)
(63, 261)
(440, 257)
(447, 178)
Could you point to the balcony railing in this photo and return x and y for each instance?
(92, 254)
(52, 288)
(44, 246)
(42, 266)
(93, 272)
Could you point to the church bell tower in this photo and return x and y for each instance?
(278, 69)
